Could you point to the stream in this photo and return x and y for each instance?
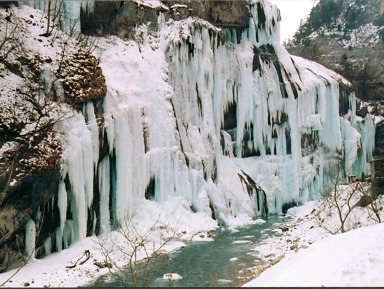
(209, 263)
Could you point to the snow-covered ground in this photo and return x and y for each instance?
(171, 216)
(355, 258)
(305, 253)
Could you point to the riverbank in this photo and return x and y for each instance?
(305, 252)
(301, 245)
(355, 258)
(66, 268)
(73, 267)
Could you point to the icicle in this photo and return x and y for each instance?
(68, 234)
(47, 246)
(62, 204)
(104, 187)
(30, 240)
(59, 239)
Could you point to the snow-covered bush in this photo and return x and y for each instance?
(347, 207)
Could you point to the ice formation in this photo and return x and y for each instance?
(224, 118)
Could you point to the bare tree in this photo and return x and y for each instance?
(133, 246)
(8, 38)
(343, 199)
(53, 16)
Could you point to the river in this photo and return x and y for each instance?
(214, 263)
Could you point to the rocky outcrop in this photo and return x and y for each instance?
(43, 79)
(81, 77)
(121, 17)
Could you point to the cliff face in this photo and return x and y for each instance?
(200, 109)
(121, 17)
(347, 36)
(43, 78)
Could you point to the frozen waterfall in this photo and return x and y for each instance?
(207, 114)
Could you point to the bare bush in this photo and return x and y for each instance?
(138, 250)
(343, 201)
(54, 12)
(29, 121)
(8, 38)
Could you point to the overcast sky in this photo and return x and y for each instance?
(292, 11)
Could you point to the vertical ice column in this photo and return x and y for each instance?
(329, 111)
(130, 161)
(78, 167)
(89, 113)
(62, 205)
(30, 239)
(104, 188)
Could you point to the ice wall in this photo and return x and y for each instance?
(65, 13)
(215, 116)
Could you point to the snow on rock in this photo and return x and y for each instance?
(172, 276)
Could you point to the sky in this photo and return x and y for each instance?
(292, 11)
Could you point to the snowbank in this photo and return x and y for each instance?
(305, 253)
(355, 258)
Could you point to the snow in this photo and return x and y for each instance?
(311, 256)
(152, 4)
(172, 276)
(355, 258)
(303, 210)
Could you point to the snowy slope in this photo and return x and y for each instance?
(351, 259)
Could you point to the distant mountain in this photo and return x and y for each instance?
(347, 36)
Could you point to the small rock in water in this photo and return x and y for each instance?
(172, 276)
(284, 229)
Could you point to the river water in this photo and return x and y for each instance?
(216, 263)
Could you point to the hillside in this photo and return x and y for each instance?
(347, 36)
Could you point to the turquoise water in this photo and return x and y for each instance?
(215, 263)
